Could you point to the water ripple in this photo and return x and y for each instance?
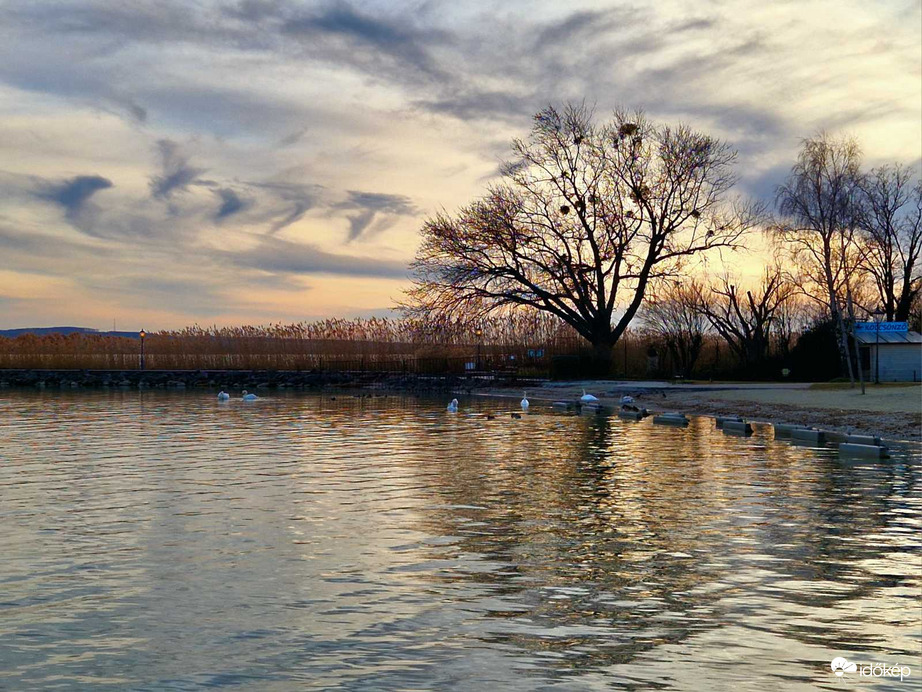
(167, 541)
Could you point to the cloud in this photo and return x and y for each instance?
(176, 175)
(230, 203)
(369, 206)
(74, 194)
(340, 33)
(291, 201)
(283, 256)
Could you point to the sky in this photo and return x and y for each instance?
(177, 162)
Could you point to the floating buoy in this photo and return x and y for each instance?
(723, 419)
(860, 450)
(736, 427)
(816, 437)
(785, 429)
(672, 418)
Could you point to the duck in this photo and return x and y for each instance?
(588, 398)
(249, 397)
(525, 403)
(453, 406)
(516, 415)
(223, 396)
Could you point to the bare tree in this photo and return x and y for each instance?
(819, 208)
(584, 220)
(891, 222)
(674, 316)
(746, 321)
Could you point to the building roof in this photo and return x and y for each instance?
(887, 338)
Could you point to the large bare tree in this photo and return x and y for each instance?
(585, 218)
(673, 314)
(746, 320)
(819, 208)
(891, 221)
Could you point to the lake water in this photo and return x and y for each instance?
(166, 541)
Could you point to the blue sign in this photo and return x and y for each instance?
(882, 327)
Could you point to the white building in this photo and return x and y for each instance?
(890, 356)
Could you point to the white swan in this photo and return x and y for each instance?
(627, 400)
(453, 406)
(249, 397)
(223, 396)
(588, 398)
(525, 403)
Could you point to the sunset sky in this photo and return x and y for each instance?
(165, 163)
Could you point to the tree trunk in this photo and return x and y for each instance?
(602, 358)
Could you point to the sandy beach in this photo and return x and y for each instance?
(890, 411)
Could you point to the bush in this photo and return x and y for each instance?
(815, 356)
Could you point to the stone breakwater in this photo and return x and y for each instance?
(242, 379)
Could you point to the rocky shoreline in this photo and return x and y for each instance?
(245, 379)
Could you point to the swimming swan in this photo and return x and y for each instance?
(588, 398)
(223, 396)
(525, 403)
(627, 400)
(453, 406)
(249, 397)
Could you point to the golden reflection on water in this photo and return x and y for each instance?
(158, 540)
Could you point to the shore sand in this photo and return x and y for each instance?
(890, 411)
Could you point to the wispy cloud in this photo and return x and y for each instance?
(74, 195)
(176, 173)
(277, 255)
(374, 212)
(230, 203)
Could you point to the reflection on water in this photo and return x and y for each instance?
(168, 541)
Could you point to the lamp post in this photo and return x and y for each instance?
(142, 334)
(478, 334)
(878, 316)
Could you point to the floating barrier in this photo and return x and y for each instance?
(785, 429)
(594, 409)
(859, 450)
(836, 437)
(632, 415)
(562, 406)
(864, 440)
(816, 437)
(724, 419)
(736, 427)
(673, 418)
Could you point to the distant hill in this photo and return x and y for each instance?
(41, 331)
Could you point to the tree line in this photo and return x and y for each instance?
(598, 225)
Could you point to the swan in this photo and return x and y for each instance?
(588, 398)
(525, 403)
(249, 397)
(453, 406)
(223, 396)
(627, 400)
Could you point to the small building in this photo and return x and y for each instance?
(890, 356)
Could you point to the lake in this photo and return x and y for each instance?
(168, 541)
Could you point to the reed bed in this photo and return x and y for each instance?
(526, 344)
(374, 344)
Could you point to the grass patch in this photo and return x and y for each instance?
(867, 386)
